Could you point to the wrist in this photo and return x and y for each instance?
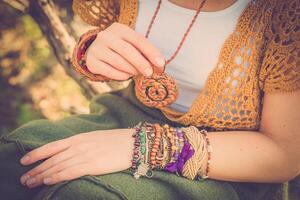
(129, 142)
(79, 56)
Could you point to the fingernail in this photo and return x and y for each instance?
(25, 159)
(148, 71)
(47, 180)
(160, 62)
(24, 178)
(30, 181)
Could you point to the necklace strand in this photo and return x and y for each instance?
(161, 90)
(186, 32)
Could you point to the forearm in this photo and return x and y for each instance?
(245, 156)
(238, 156)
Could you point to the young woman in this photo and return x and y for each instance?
(237, 69)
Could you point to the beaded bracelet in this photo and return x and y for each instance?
(79, 56)
(209, 151)
(155, 146)
(160, 153)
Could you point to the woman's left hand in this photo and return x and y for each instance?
(92, 153)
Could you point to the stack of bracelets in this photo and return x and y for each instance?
(184, 151)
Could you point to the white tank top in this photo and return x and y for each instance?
(200, 52)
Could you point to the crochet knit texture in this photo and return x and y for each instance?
(260, 57)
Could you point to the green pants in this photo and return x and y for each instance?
(109, 111)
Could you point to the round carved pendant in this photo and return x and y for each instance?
(157, 91)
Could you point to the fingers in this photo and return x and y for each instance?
(141, 43)
(119, 52)
(49, 173)
(45, 151)
(68, 170)
(68, 174)
(129, 52)
(114, 59)
(58, 158)
(99, 67)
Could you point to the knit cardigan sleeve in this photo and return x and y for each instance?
(280, 69)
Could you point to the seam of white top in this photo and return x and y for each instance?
(228, 10)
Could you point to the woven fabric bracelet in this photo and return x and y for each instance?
(79, 56)
(194, 167)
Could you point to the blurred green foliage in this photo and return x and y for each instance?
(26, 113)
(39, 58)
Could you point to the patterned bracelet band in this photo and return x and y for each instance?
(79, 56)
(136, 150)
(166, 154)
(140, 159)
(184, 151)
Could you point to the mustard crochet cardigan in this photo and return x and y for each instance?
(261, 56)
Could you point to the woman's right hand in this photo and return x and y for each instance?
(118, 52)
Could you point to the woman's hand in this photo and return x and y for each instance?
(92, 153)
(119, 52)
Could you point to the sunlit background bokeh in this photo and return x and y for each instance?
(32, 83)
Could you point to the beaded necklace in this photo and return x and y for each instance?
(160, 89)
